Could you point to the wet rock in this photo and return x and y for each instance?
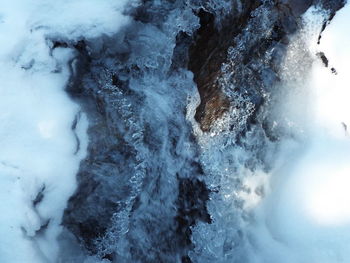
(207, 54)
(193, 195)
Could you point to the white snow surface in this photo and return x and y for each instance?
(37, 143)
(305, 217)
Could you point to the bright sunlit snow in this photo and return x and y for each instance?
(306, 217)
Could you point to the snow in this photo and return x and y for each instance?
(306, 215)
(38, 145)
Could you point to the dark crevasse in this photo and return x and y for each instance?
(157, 183)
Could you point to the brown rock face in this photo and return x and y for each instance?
(207, 55)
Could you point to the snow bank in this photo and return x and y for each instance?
(38, 152)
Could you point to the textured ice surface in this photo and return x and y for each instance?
(138, 180)
(143, 187)
(282, 190)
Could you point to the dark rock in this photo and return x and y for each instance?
(298, 7)
(193, 195)
(186, 259)
(323, 58)
(40, 196)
